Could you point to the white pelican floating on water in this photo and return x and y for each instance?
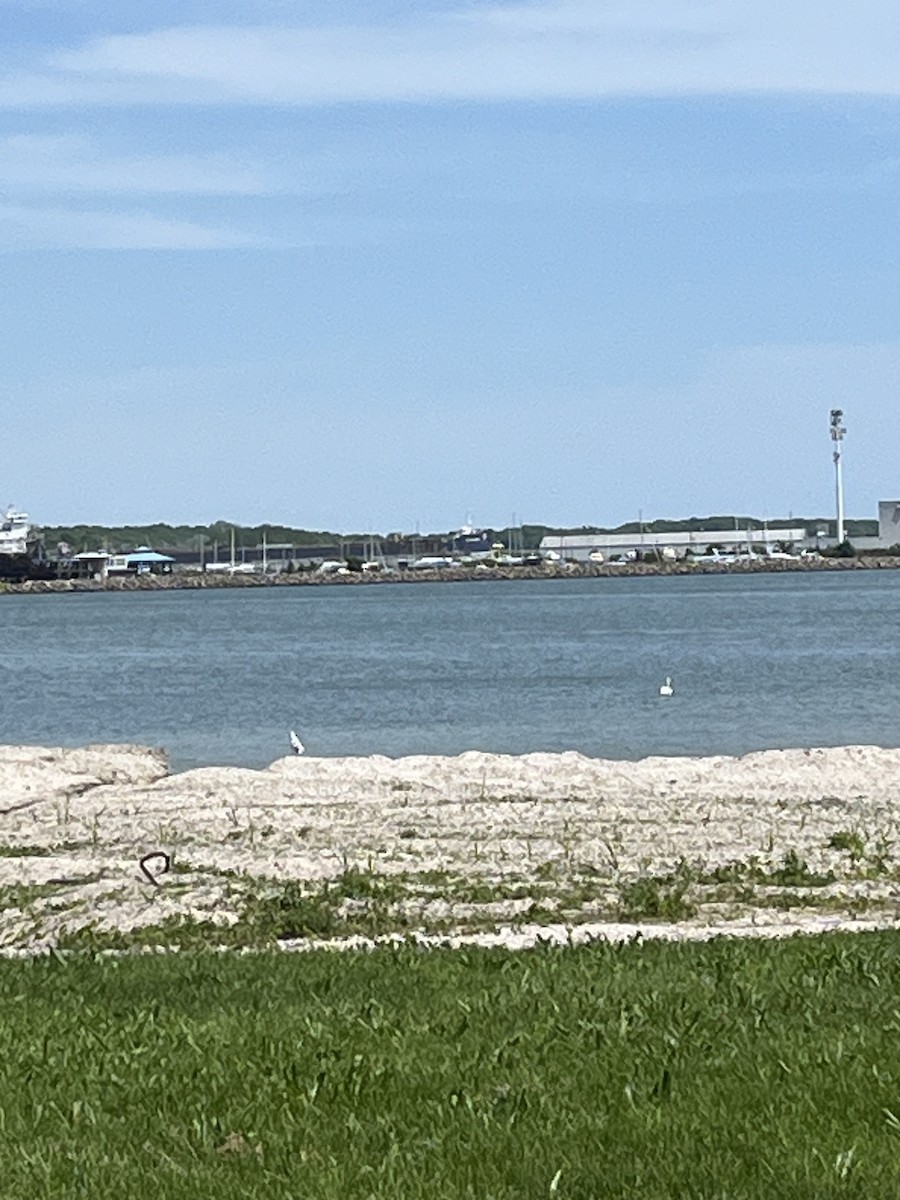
(666, 689)
(296, 745)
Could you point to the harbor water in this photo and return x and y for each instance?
(221, 676)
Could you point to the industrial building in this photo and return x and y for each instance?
(580, 547)
(888, 523)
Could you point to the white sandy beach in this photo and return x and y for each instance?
(491, 848)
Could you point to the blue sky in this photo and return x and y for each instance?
(355, 266)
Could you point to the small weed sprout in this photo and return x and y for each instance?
(613, 853)
(168, 834)
(850, 842)
(879, 858)
(659, 897)
(793, 872)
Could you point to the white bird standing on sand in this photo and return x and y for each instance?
(666, 688)
(296, 745)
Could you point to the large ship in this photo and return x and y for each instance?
(22, 554)
(470, 542)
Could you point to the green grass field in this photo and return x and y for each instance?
(718, 1071)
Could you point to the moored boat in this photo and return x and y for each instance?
(22, 554)
(469, 542)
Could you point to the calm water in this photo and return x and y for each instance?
(221, 676)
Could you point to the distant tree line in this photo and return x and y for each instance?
(180, 537)
(187, 537)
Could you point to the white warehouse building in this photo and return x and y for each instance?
(581, 546)
(889, 522)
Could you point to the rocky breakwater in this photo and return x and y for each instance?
(198, 581)
(482, 847)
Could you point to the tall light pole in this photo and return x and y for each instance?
(837, 436)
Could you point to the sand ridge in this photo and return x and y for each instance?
(478, 845)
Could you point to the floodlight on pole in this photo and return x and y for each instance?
(837, 436)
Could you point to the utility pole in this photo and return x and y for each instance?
(837, 436)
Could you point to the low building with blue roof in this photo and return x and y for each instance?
(141, 561)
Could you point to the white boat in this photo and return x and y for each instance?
(15, 532)
(21, 548)
(433, 562)
(230, 568)
(470, 542)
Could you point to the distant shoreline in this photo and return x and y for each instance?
(199, 581)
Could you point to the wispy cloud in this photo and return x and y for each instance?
(27, 228)
(550, 49)
(75, 163)
(660, 20)
(55, 169)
